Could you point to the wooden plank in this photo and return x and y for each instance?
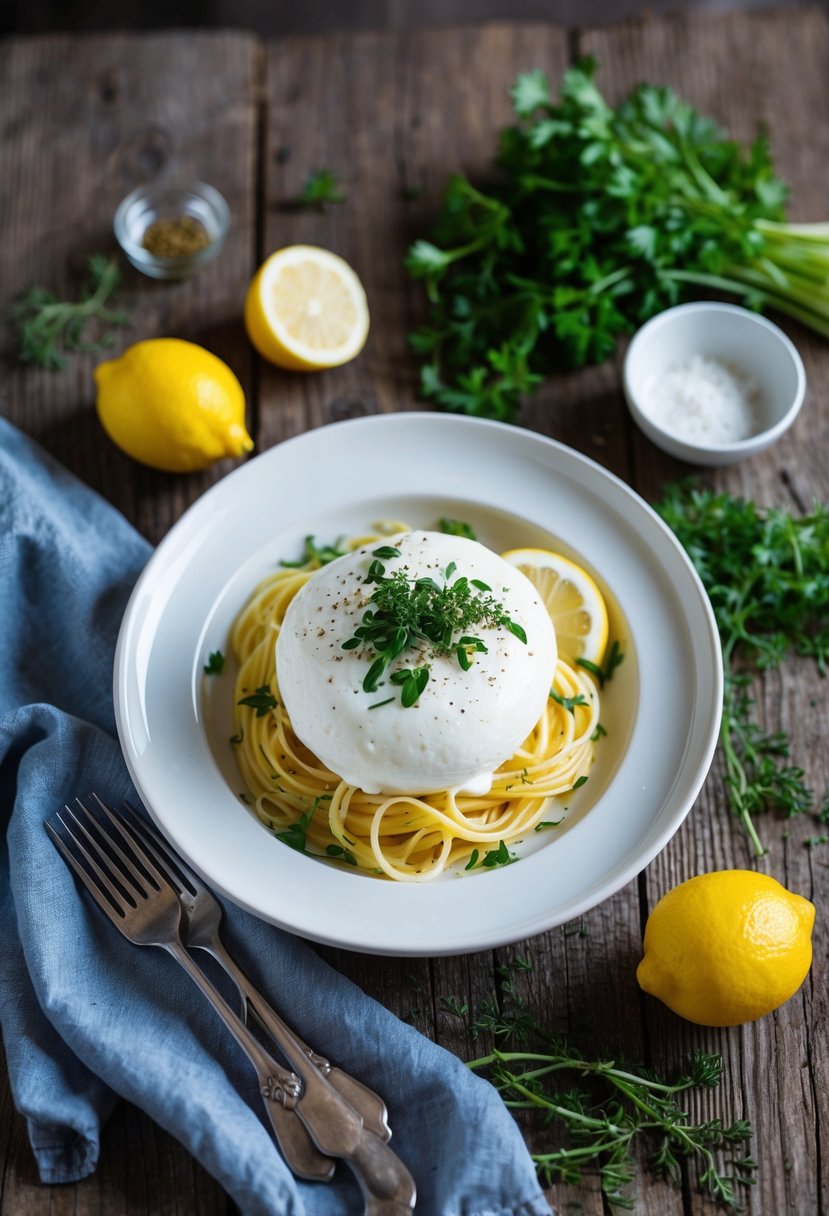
(745, 70)
(389, 114)
(393, 115)
(84, 122)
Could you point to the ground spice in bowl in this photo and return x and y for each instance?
(175, 237)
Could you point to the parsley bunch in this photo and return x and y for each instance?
(767, 576)
(598, 219)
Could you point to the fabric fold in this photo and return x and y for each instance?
(87, 1016)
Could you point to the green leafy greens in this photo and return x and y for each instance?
(598, 219)
(47, 327)
(423, 615)
(767, 576)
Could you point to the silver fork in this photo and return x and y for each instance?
(147, 912)
(199, 929)
(139, 901)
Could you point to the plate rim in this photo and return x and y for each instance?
(619, 874)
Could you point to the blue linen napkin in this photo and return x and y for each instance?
(87, 1016)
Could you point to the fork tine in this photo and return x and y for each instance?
(103, 891)
(178, 872)
(102, 842)
(120, 835)
(94, 850)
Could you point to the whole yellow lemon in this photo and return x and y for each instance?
(172, 405)
(727, 947)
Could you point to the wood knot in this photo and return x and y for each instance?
(153, 151)
(342, 408)
(109, 88)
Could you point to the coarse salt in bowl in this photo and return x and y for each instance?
(712, 383)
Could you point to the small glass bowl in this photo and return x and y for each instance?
(149, 203)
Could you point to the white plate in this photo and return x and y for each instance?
(516, 488)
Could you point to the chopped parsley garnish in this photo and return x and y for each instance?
(341, 854)
(603, 673)
(456, 527)
(498, 857)
(215, 663)
(295, 835)
(568, 703)
(405, 614)
(316, 555)
(548, 823)
(262, 701)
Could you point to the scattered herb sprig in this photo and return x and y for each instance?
(320, 187)
(610, 1111)
(766, 572)
(316, 555)
(598, 219)
(425, 615)
(47, 327)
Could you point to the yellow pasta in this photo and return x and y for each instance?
(405, 837)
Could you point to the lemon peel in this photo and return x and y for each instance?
(727, 947)
(172, 405)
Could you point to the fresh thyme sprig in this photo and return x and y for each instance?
(48, 327)
(424, 615)
(608, 1108)
(767, 576)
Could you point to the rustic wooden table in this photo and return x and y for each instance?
(84, 120)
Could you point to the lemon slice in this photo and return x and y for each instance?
(572, 599)
(306, 309)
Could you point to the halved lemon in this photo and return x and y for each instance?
(306, 309)
(572, 599)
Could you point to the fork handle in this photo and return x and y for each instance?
(280, 1088)
(338, 1129)
(365, 1101)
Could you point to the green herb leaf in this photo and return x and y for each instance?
(48, 328)
(568, 703)
(767, 577)
(342, 854)
(315, 555)
(456, 527)
(263, 701)
(603, 673)
(320, 187)
(498, 857)
(215, 663)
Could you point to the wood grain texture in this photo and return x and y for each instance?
(394, 114)
(749, 71)
(84, 121)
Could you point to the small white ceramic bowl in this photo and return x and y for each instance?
(747, 344)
